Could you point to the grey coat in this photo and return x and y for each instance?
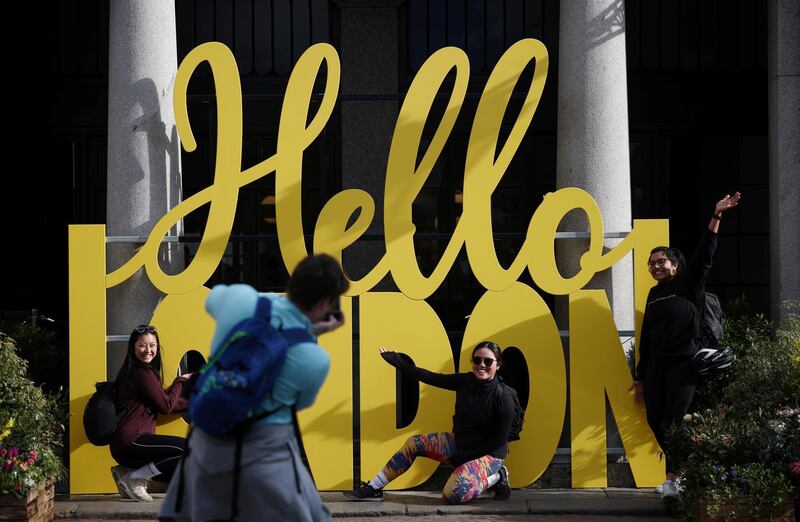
(274, 484)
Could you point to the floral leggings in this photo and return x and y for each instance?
(466, 482)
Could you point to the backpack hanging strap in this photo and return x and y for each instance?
(237, 470)
(264, 308)
(303, 457)
(181, 480)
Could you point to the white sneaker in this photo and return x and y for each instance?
(669, 490)
(118, 472)
(134, 488)
(659, 489)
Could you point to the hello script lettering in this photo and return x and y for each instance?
(509, 313)
(484, 168)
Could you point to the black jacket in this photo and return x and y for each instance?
(484, 411)
(671, 325)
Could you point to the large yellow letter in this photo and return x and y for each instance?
(89, 464)
(519, 317)
(183, 324)
(598, 368)
(648, 233)
(485, 166)
(404, 178)
(385, 322)
(327, 426)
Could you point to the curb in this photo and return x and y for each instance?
(612, 502)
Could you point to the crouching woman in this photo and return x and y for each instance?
(141, 453)
(478, 443)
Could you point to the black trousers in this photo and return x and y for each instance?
(165, 451)
(669, 386)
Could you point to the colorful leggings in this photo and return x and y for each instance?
(466, 482)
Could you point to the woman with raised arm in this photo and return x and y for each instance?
(665, 379)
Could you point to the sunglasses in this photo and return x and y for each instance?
(142, 328)
(660, 262)
(487, 361)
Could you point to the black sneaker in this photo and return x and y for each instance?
(502, 490)
(365, 493)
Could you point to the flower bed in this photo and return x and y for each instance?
(37, 506)
(738, 453)
(30, 435)
(710, 510)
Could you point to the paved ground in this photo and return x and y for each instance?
(516, 518)
(525, 505)
(479, 518)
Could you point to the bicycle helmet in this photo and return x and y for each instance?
(708, 361)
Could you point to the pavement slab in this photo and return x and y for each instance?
(613, 502)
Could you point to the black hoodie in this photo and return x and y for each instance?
(671, 325)
(483, 415)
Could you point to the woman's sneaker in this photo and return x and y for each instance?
(365, 492)
(502, 490)
(134, 488)
(118, 472)
(669, 490)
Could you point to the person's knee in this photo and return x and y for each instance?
(460, 488)
(452, 498)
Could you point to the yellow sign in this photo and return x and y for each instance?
(509, 313)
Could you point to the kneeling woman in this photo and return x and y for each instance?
(141, 393)
(479, 441)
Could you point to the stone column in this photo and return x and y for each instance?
(592, 148)
(144, 179)
(369, 60)
(784, 150)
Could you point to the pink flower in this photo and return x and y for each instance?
(695, 439)
(34, 454)
(13, 452)
(794, 468)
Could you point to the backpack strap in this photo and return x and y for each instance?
(237, 471)
(303, 456)
(297, 335)
(264, 308)
(181, 482)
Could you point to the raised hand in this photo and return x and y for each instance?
(727, 203)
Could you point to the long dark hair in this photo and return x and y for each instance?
(495, 349)
(131, 362)
(673, 254)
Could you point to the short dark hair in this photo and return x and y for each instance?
(495, 349)
(316, 277)
(673, 254)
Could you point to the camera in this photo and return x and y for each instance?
(334, 313)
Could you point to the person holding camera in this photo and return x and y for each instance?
(267, 480)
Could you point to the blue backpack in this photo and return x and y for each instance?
(230, 388)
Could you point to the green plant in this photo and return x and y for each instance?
(30, 426)
(742, 445)
(47, 362)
